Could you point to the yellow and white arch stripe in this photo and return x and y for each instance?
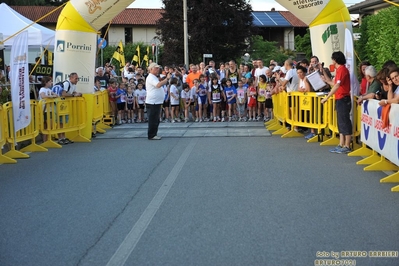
(76, 38)
(327, 22)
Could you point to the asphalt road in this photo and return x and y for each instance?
(194, 201)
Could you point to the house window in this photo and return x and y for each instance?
(128, 35)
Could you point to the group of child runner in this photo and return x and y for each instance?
(210, 99)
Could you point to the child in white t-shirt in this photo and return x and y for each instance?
(187, 99)
(174, 100)
(45, 92)
(241, 101)
(140, 95)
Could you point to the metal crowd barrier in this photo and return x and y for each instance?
(62, 115)
(306, 110)
(3, 126)
(28, 133)
(98, 112)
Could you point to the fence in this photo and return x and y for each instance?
(305, 110)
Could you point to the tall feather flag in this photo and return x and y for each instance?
(119, 55)
(136, 57)
(146, 57)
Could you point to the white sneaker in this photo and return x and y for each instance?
(197, 120)
(230, 119)
(222, 119)
(173, 121)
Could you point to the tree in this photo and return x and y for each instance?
(303, 44)
(360, 45)
(221, 28)
(382, 40)
(268, 50)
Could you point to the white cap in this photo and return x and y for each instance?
(282, 69)
(152, 65)
(276, 68)
(162, 76)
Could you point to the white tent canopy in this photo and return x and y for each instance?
(12, 22)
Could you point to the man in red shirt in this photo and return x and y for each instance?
(342, 90)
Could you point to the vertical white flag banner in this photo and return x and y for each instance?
(20, 81)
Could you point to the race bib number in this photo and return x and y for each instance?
(216, 95)
(240, 94)
(202, 92)
(262, 92)
(233, 80)
(142, 98)
(230, 94)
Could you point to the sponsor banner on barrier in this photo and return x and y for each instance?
(98, 13)
(76, 52)
(385, 141)
(20, 81)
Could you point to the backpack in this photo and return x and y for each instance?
(59, 87)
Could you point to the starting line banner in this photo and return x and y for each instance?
(385, 141)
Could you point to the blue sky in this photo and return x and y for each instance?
(257, 5)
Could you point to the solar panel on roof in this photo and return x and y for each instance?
(269, 19)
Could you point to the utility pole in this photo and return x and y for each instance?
(185, 33)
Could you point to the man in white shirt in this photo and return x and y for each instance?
(291, 80)
(261, 70)
(154, 99)
(70, 86)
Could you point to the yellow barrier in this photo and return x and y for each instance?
(306, 111)
(98, 111)
(28, 133)
(3, 126)
(279, 111)
(63, 115)
(332, 123)
(109, 118)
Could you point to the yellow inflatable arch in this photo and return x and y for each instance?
(79, 21)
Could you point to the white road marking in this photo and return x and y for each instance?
(133, 237)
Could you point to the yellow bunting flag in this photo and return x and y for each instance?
(136, 57)
(119, 55)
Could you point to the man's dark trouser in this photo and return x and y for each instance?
(153, 113)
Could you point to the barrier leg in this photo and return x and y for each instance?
(100, 130)
(394, 178)
(313, 139)
(275, 126)
(292, 134)
(282, 130)
(395, 189)
(77, 136)
(373, 158)
(363, 151)
(382, 165)
(333, 141)
(51, 144)
(33, 147)
(271, 121)
(5, 159)
(103, 126)
(13, 153)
